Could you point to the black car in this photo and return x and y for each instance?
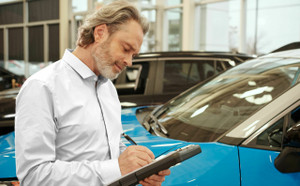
(10, 80)
(7, 110)
(157, 77)
(153, 79)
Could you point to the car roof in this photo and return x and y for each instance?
(295, 53)
(294, 45)
(192, 54)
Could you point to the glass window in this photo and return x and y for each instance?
(1, 48)
(16, 50)
(149, 42)
(11, 13)
(213, 29)
(133, 79)
(229, 64)
(174, 29)
(173, 2)
(272, 137)
(295, 117)
(15, 43)
(79, 5)
(53, 42)
(209, 110)
(147, 2)
(36, 49)
(181, 75)
(43, 10)
(272, 24)
(36, 42)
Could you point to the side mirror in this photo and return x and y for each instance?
(288, 160)
(292, 137)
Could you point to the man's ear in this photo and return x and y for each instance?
(100, 33)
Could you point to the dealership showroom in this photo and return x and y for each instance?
(150, 92)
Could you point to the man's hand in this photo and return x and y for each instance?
(134, 157)
(156, 180)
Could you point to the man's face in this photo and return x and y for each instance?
(114, 54)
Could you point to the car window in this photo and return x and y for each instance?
(272, 137)
(229, 64)
(209, 110)
(132, 80)
(295, 117)
(181, 75)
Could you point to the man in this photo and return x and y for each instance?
(68, 116)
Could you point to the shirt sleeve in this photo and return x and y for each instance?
(35, 134)
(122, 146)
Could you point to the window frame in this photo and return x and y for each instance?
(251, 140)
(128, 86)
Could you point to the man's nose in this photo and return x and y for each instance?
(128, 61)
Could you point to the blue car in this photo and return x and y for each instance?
(246, 121)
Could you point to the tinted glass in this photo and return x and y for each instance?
(43, 10)
(181, 75)
(1, 48)
(133, 79)
(11, 13)
(211, 109)
(15, 44)
(273, 136)
(295, 117)
(36, 41)
(53, 42)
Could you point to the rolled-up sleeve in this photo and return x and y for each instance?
(36, 130)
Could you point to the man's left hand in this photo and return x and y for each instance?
(156, 179)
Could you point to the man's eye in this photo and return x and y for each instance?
(126, 50)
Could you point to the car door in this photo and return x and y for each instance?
(258, 152)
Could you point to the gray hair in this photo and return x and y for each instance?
(113, 15)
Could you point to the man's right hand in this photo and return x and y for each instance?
(134, 157)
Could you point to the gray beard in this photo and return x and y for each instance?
(103, 63)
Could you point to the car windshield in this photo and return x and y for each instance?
(208, 110)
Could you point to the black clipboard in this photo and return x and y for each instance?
(161, 163)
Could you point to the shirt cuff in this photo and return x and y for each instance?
(110, 170)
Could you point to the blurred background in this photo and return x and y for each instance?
(35, 33)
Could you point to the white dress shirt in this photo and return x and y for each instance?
(68, 127)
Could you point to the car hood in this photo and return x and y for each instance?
(133, 128)
(7, 156)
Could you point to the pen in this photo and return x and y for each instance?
(129, 139)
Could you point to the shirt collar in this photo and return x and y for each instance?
(82, 69)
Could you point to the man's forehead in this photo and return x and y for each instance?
(132, 34)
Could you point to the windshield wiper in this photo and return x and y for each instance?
(157, 127)
(152, 124)
(148, 118)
